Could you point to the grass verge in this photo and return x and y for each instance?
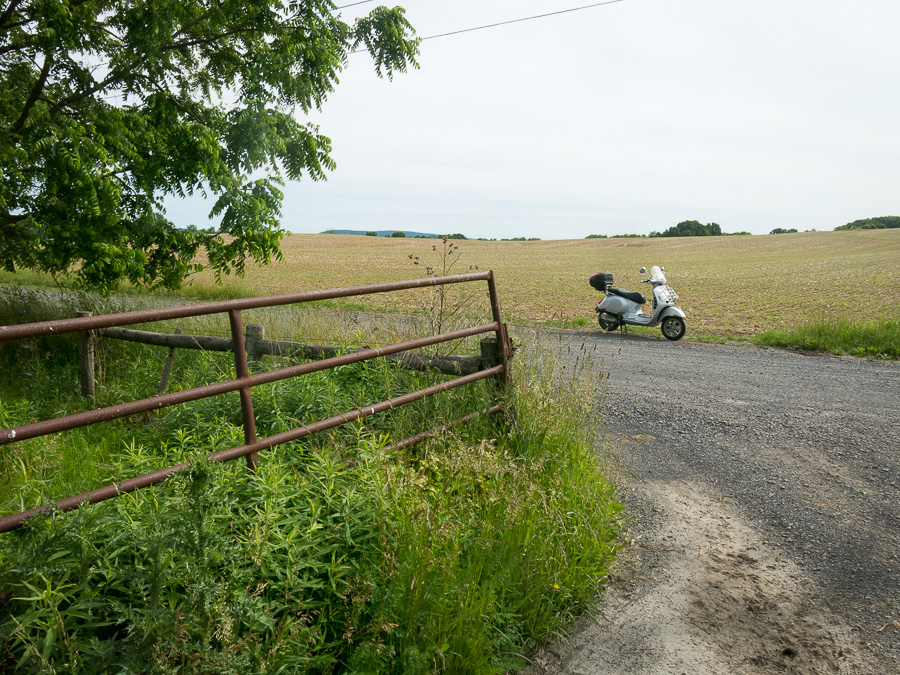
(335, 556)
(878, 338)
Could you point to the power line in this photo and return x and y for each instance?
(502, 23)
(527, 18)
(354, 4)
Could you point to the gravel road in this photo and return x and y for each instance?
(765, 491)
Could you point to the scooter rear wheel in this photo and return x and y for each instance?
(673, 328)
(606, 324)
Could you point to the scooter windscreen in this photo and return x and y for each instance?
(656, 275)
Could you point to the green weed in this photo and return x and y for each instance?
(336, 555)
(878, 338)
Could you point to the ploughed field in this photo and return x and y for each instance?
(736, 285)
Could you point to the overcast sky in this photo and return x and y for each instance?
(629, 117)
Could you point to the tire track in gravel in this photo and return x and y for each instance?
(765, 491)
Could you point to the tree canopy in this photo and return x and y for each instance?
(693, 228)
(108, 107)
(879, 223)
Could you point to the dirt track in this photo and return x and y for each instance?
(765, 490)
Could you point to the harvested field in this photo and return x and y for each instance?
(735, 285)
(730, 286)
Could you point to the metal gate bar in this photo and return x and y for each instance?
(60, 326)
(13, 521)
(117, 411)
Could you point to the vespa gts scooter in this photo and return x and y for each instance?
(623, 308)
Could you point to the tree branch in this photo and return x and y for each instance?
(190, 25)
(204, 41)
(7, 228)
(9, 11)
(14, 47)
(75, 98)
(35, 93)
(106, 30)
(168, 94)
(12, 218)
(7, 14)
(117, 172)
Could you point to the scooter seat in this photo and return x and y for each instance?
(634, 296)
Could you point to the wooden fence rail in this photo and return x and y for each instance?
(257, 346)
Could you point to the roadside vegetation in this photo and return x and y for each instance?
(337, 555)
(877, 338)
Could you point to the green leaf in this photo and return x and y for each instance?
(49, 642)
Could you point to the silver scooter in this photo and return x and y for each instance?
(623, 308)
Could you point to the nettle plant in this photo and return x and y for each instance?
(443, 306)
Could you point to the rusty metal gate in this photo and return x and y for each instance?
(245, 381)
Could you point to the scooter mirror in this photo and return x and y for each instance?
(643, 270)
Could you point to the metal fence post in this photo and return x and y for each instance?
(502, 340)
(243, 372)
(501, 352)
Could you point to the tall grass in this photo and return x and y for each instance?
(336, 555)
(878, 338)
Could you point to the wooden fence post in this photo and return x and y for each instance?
(86, 343)
(167, 368)
(492, 356)
(502, 385)
(490, 353)
(253, 333)
(242, 370)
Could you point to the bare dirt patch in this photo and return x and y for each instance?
(705, 593)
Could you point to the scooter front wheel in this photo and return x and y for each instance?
(673, 328)
(607, 324)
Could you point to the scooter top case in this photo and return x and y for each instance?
(601, 281)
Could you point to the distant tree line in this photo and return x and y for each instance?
(880, 223)
(686, 228)
(693, 228)
(398, 233)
